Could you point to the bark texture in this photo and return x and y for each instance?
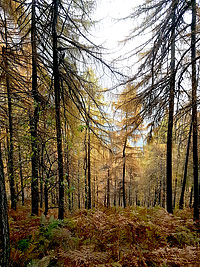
(124, 174)
(57, 107)
(34, 118)
(10, 121)
(4, 227)
(171, 113)
(181, 202)
(194, 110)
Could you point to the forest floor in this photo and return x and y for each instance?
(105, 237)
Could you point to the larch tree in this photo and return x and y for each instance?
(4, 226)
(57, 108)
(5, 55)
(194, 110)
(35, 117)
(171, 109)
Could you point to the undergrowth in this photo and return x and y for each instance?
(103, 237)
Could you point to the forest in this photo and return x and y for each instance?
(99, 164)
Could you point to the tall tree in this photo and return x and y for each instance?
(5, 53)
(89, 193)
(35, 117)
(194, 110)
(171, 110)
(124, 172)
(57, 93)
(181, 202)
(4, 226)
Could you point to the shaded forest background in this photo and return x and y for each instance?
(61, 148)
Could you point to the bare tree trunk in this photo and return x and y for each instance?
(79, 193)
(57, 107)
(46, 196)
(163, 192)
(171, 113)
(175, 191)
(119, 197)
(35, 118)
(85, 170)
(191, 197)
(97, 189)
(155, 196)
(181, 202)
(194, 110)
(72, 197)
(68, 178)
(94, 193)
(4, 226)
(89, 197)
(10, 120)
(108, 189)
(21, 174)
(42, 176)
(130, 188)
(115, 192)
(124, 174)
(105, 196)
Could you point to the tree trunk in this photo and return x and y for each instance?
(85, 170)
(34, 118)
(108, 189)
(42, 176)
(97, 189)
(89, 198)
(155, 196)
(10, 120)
(93, 192)
(175, 191)
(181, 202)
(66, 153)
(72, 201)
(130, 189)
(105, 197)
(124, 174)
(4, 226)
(67, 174)
(57, 107)
(115, 192)
(191, 197)
(194, 110)
(79, 193)
(171, 113)
(119, 196)
(21, 174)
(163, 200)
(160, 193)
(46, 196)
